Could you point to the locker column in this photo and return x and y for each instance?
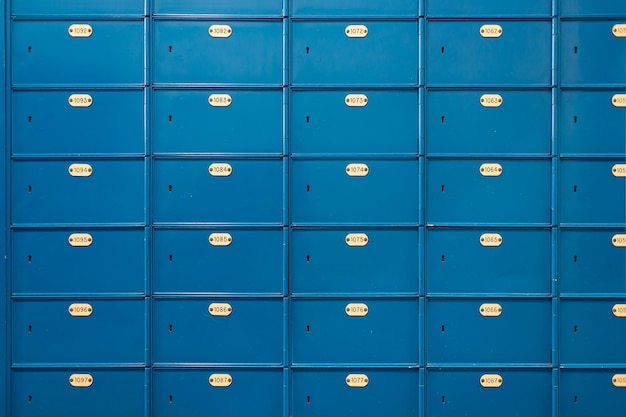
(592, 151)
(355, 235)
(218, 193)
(78, 218)
(488, 194)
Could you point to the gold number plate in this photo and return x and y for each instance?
(81, 380)
(491, 31)
(619, 310)
(357, 239)
(619, 240)
(619, 170)
(356, 31)
(491, 170)
(491, 381)
(491, 100)
(356, 100)
(80, 310)
(80, 240)
(80, 30)
(80, 100)
(619, 30)
(80, 170)
(357, 310)
(491, 239)
(357, 170)
(220, 170)
(357, 380)
(619, 380)
(220, 239)
(619, 100)
(220, 31)
(220, 309)
(220, 380)
(220, 100)
(490, 310)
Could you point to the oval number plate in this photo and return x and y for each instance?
(357, 380)
(81, 380)
(220, 380)
(491, 31)
(619, 380)
(220, 239)
(491, 381)
(619, 100)
(357, 310)
(490, 310)
(356, 100)
(491, 170)
(80, 100)
(80, 170)
(220, 309)
(619, 170)
(356, 31)
(220, 170)
(619, 310)
(619, 240)
(357, 239)
(80, 310)
(220, 31)
(80, 30)
(357, 170)
(220, 100)
(80, 240)
(491, 100)
(619, 30)
(491, 239)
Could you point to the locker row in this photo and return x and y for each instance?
(207, 121)
(321, 192)
(461, 331)
(324, 8)
(331, 53)
(334, 261)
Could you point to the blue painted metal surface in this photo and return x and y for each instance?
(215, 7)
(592, 8)
(353, 8)
(78, 8)
(488, 8)
(590, 391)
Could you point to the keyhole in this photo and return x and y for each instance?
(575, 258)
(575, 399)
(170, 187)
(443, 328)
(30, 399)
(443, 48)
(308, 397)
(443, 399)
(30, 258)
(171, 399)
(575, 329)
(30, 119)
(308, 188)
(308, 328)
(30, 328)
(575, 188)
(30, 49)
(307, 49)
(171, 258)
(576, 49)
(30, 189)
(443, 119)
(308, 119)
(443, 258)
(170, 48)
(308, 258)
(443, 188)
(169, 118)
(171, 328)
(575, 119)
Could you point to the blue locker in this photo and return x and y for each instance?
(228, 392)
(354, 191)
(355, 121)
(488, 331)
(78, 122)
(503, 191)
(219, 261)
(86, 191)
(327, 392)
(593, 52)
(79, 331)
(350, 261)
(218, 331)
(79, 261)
(218, 121)
(355, 331)
(586, 115)
(592, 191)
(218, 52)
(488, 261)
(488, 122)
(585, 392)
(49, 392)
(83, 53)
(82, 8)
(488, 53)
(476, 392)
(592, 261)
(362, 53)
(592, 331)
(217, 7)
(354, 8)
(488, 8)
(218, 191)
(592, 8)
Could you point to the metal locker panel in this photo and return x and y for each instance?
(79, 261)
(593, 52)
(488, 261)
(327, 392)
(218, 191)
(488, 331)
(79, 331)
(592, 8)
(592, 191)
(218, 52)
(46, 53)
(488, 122)
(592, 331)
(82, 8)
(480, 391)
(218, 121)
(49, 392)
(228, 392)
(598, 392)
(217, 7)
(78, 122)
(353, 52)
(488, 8)
(94, 191)
(592, 261)
(353, 8)
(354, 191)
(216, 261)
(589, 115)
(344, 261)
(502, 191)
(354, 121)
(218, 331)
(505, 53)
(355, 331)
